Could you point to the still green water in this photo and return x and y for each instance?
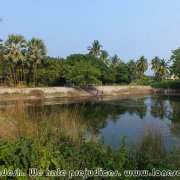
(111, 118)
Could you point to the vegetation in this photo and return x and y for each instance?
(28, 144)
(24, 63)
(176, 62)
(173, 84)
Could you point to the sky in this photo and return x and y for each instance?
(128, 28)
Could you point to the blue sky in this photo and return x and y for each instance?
(129, 28)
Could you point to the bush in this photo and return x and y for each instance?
(143, 80)
(169, 84)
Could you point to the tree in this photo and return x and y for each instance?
(133, 70)
(142, 65)
(80, 57)
(175, 68)
(82, 73)
(163, 68)
(1, 49)
(15, 46)
(51, 72)
(95, 49)
(104, 56)
(36, 52)
(107, 74)
(122, 74)
(155, 64)
(115, 60)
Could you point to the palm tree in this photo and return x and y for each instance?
(142, 65)
(104, 56)
(133, 70)
(115, 60)
(14, 54)
(95, 49)
(155, 64)
(35, 54)
(1, 50)
(163, 68)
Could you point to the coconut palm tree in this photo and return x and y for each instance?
(163, 68)
(35, 54)
(95, 49)
(1, 50)
(142, 65)
(104, 55)
(14, 47)
(132, 68)
(155, 64)
(115, 60)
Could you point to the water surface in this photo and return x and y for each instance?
(111, 118)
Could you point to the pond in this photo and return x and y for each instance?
(111, 118)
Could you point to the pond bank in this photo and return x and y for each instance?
(69, 92)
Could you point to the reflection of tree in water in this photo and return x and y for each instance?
(167, 107)
(158, 107)
(175, 129)
(137, 106)
(98, 114)
(174, 114)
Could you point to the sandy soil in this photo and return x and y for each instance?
(49, 92)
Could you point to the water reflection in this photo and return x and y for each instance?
(114, 117)
(120, 117)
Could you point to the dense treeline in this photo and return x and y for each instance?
(26, 63)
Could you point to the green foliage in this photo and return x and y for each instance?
(142, 65)
(21, 59)
(95, 49)
(52, 72)
(107, 74)
(122, 74)
(132, 69)
(169, 84)
(20, 154)
(82, 74)
(176, 62)
(24, 63)
(160, 68)
(35, 54)
(142, 80)
(69, 155)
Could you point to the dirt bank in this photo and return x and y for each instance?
(49, 92)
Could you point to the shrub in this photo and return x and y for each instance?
(169, 84)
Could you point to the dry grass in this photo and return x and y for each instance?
(18, 121)
(37, 93)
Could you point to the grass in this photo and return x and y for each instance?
(36, 138)
(40, 124)
(150, 149)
